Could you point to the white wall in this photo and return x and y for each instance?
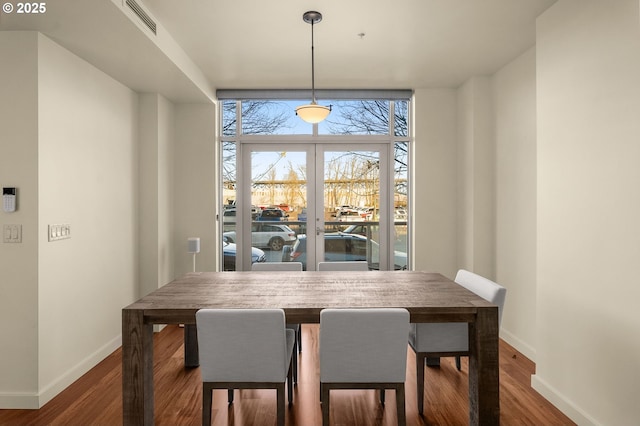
(588, 91)
(19, 262)
(87, 178)
(195, 186)
(130, 173)
(514, 97)
(156, 174)
(166, 152)
(475, 164)
(434, 181)
(495, 190)
(179, 191)
(73, 157)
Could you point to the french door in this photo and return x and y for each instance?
(311, 202)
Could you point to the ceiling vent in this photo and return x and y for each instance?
(140, 13)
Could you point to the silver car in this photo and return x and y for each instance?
(273, 236)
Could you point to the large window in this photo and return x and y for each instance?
(337, 190)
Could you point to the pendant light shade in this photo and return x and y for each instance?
(312, 113)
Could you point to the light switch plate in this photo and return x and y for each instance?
(12, 233)
(59, 232)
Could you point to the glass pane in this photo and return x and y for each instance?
(401, 119)
(229, 118)
(279, 201)
(264, 117)
(352, 201)
(400, 195)
(356, 118)
(229, 206)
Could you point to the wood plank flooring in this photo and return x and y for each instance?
(96, 398)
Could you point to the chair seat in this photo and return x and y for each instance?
(439, 337)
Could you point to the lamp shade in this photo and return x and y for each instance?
(313, 113)
(193, 245)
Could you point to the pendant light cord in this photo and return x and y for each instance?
(313, 78)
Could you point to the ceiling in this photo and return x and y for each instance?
(370, 44)
(406, 43)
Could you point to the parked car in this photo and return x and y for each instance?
(345, 247)
(229, 215)
(343, 208)
(302, 216)
(358, 229)
(400, 215)
(273, 215)
(348, 216)
(229, 255)
(255, 212)
(267, 235)
(372, 214)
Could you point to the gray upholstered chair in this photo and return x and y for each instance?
(244, 349)
(430, 341)
(363, 349)
(285, 266)
(343, 266)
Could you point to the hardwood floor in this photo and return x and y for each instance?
(96, 398)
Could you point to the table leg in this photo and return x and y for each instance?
(484, 372)
(191, 355)
(137, 369)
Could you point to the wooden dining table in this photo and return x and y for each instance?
(428, 296)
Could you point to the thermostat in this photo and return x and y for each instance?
(9, 199)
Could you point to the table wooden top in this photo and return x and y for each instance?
(302, 295)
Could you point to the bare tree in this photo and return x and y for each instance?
(261, 117)
(353, 117)
(371, 117)
(294, 189)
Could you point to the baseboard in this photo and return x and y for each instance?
(34, 401)
(519, 345)
(19, 401)
(563, 404)
(47, 393)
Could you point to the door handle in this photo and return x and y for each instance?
(319, 230)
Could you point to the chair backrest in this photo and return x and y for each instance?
(484, 288)
(277, 266)
(363, 345)
(343, 266)
(242, 345)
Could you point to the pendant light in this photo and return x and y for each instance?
(312, 113)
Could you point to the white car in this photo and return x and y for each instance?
(229, 216)
(348, 216)
(341, 247)
(267, 235)
(400, 215)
